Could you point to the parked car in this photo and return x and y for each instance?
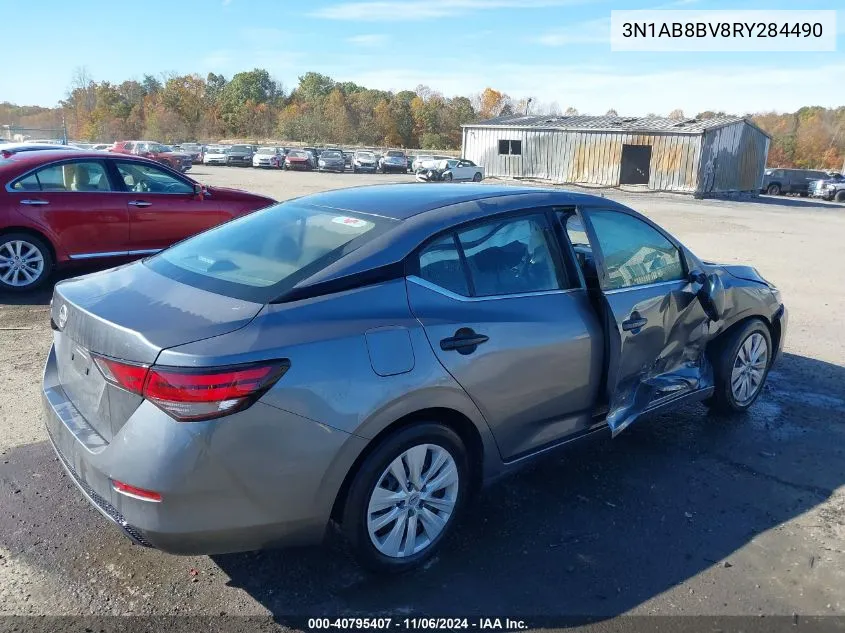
(194, 150)
(9, 149)
(781, 181)
(481, 327)
(268, 157)
(833, 190)
(418, 161)
(331, 160)
(154, 151)
(298, 159)
(102, 147)
(214, 155)
(817, 188)
(463, 169)
(239, 155)
(364, 160)
(53, 213)
(393, 161)
(347, 158)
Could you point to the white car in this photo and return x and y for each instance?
(462, 169)
(268, 157)
(418, 161)
(214, 156)
(102, 147)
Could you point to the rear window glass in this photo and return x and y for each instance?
(263, 255)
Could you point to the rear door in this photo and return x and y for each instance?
(514, 331)
(76, 203)
(163, 207)
(657, 329)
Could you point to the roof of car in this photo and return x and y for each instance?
(402, 201)
(26, 160)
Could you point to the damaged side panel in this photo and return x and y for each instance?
(658, 337)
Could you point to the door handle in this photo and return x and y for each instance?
(139, 203)
(35, 203)
(634, 323)
(465, 341)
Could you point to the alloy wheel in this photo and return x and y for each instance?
(749, 368)
(413, 501)
(21, 263)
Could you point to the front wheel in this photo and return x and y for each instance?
(25, 262)
(773, 189)
(447, 177)
(840, 196)
(741, 364)
(405, 498)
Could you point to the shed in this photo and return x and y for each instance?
(704, 157)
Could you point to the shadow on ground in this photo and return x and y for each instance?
(594, 532)
(602, 530)
(797, 202)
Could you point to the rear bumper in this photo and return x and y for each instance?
(258, 478)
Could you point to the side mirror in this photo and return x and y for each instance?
(199, 191)
(711, 294)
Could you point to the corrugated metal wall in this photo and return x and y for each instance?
(566, 156)
(733, 158)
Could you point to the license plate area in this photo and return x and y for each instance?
(82, 382)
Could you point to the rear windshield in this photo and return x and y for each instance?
(261, 256)
(331, 154)
(396, 154)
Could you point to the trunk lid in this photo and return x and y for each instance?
(129, 313)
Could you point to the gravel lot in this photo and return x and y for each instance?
(684, 514)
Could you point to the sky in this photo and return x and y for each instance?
(556, 51)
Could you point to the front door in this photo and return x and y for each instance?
(514, 332)
(75, 201)
(163, 208)
(657, 328)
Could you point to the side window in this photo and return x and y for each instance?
(129, 146)
(145, 178)
(30, 183)
(82, 176)
(441, 265)
(510, 147)
(634, 253)
(510, 256)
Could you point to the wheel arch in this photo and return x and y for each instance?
(774, 328)
(451, 418)
(34, 233)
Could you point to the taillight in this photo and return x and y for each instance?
(127, 375)
(195, 393)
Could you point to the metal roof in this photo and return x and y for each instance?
(611, 123)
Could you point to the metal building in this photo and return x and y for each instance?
(702, 157)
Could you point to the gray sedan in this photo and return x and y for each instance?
(373, 356)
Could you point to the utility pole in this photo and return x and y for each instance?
(527, 105)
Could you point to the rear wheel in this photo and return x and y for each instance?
(840, 196)
(477, 177)
(741, 364)
(773, 189)
(25, 262)
(405, 498)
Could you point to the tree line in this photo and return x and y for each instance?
(254, 106)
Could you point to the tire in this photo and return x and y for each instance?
(31, 249)
(773, 189)
(447, 177)
(729, 396)
(840, 196)
(477, 177)
(373, 551)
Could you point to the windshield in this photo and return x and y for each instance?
(295, 153)
(261, 256)
(331, 154)
(364, 155)
(240, 148)
(396, 154)
(266, 150)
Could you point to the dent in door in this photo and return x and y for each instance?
(663, 360)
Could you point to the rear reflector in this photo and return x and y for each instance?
(195, 394)
(137, 493)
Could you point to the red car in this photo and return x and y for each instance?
(60, 207)
(298, 159)
(180, 161)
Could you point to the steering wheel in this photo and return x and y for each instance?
(141, 186)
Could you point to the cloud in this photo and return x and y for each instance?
(595, 89)
(386, 11)
(588, 32)
(369, 40)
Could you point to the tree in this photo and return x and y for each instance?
(611, 112)
(677, 114)
(570, 111)
(491, 103)
(314, 87)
